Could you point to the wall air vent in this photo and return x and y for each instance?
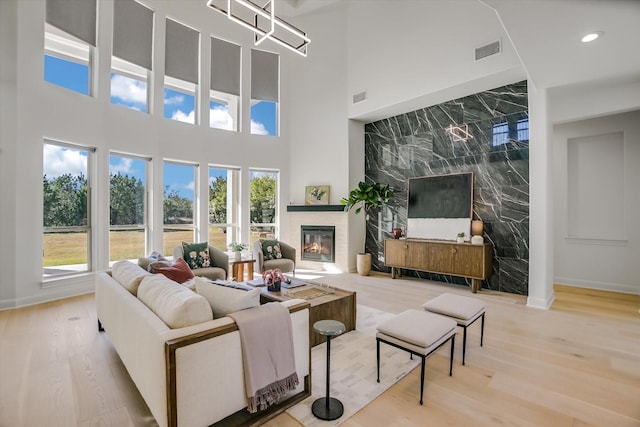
(359, 97)
(488, 50)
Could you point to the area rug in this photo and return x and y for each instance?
(353, 369)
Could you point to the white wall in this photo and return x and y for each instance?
(605, 253)
(41, 110)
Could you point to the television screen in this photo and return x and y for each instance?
(441, 196)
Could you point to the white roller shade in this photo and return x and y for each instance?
(181, 52)
(225, 66)
(76, 17)
(264, 75)
(133, 32)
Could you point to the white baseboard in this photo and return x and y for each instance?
(541, 303)
(8, 304)
(625, 288)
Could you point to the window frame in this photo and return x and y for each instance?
(233, 205)
(194, 225)
(186, 88)
(147, 185)
(88, 228)
(129, 70)
(276, 213)
(65, 47)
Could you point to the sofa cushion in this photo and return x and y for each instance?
(178, 272)
(225, 300)
(176, 305)
(271, 250)
(128, 275)
(196, 254)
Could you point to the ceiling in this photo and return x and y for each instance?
(546, 36)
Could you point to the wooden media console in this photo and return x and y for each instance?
(440, 256)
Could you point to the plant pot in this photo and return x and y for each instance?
(274, 287)
(460, 239)
(237, 256)
(363, 264)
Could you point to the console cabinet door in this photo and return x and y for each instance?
(468, 261)
(395, 253)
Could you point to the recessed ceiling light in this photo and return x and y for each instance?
(591, 37)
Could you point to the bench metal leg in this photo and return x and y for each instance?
(453, 343)
(422, 379)
(482, 331)
(100, 328)
(464, 343)
(378, 357)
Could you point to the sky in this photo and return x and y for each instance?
(132, 93)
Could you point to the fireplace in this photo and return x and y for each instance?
(318, 243)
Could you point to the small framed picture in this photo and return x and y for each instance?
(316, 195)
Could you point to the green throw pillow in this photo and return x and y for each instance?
(271, 250)
(196, 255)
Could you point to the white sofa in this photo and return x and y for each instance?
(191, 375)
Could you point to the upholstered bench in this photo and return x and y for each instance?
(464, 310)
(418, 332)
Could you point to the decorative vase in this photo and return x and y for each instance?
(274, 287)
(397, 233)
(477, 240)
(477, 226)
(237, 256)
(363, 264)
(460, 239)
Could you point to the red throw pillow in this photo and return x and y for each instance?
(178, 272)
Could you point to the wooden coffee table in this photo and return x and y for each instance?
(327, 303)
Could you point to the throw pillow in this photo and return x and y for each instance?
(225, 300)
(158, 264)
(196, 255)
(154, 257)
(271, 250)
(178, 272)
(128, 275)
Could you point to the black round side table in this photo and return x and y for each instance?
(328, 408)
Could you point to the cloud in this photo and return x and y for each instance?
(181, 116)
(220, 118)
(128, 90)
(174, 100)
(123, 167)
(258, 128)
(60, 160)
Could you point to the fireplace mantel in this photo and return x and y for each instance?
(315, 208)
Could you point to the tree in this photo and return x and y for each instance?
(263, 199)
(126, 200)
(177, 209)
(65, 201)
(218, 201)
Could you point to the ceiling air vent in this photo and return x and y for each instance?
(488, 50)
(359, 97)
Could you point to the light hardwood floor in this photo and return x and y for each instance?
(577, 364)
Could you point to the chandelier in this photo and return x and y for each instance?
(264, 23)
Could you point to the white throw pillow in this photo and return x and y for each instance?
(225, 300)
(172, 302)
(128, 275)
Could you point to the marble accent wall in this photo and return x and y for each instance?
(418, 144)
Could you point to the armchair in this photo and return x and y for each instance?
(219, 269)
(286, 264)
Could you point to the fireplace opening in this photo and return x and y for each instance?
(318, 243)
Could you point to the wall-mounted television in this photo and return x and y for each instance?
(440, 206)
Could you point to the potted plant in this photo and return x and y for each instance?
(460, 237)
(237, 248)
(370, 197)
(273, 279)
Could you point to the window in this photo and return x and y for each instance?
(500, 133)
(69, 40)
(182, 50)
(265, 75)
(223, 207)
(263, 198)
(225, 85)
(131, 63)
(178, 204)
(127, 207)
(66, 193)
(522, 128)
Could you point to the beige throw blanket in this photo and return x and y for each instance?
(267, 353)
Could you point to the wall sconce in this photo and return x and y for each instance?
(264, 23)
(459, 133)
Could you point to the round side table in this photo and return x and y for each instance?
(328, 408)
